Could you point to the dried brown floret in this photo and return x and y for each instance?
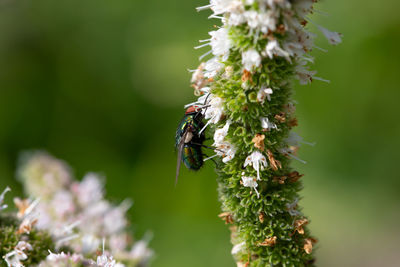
(298, 225)
(268, 242)
(227, 217)
(258, 141)
(275, 164)
(308, 244)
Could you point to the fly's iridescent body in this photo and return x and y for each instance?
(189, 140)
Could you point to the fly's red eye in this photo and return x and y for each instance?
(191, 109)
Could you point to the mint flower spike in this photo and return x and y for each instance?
(244, 92)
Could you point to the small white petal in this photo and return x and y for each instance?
(333, 37)
(238, 247)
(250, 59)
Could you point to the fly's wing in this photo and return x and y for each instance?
(180, 151)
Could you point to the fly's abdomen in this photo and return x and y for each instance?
(192, 157)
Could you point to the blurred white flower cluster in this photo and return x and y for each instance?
(76, 215)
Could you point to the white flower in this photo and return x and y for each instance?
(3, 206)
(236, 19)
(238, 247)
(140, 251)
(267, 21)
(228, 72)
(118, 242)
(264, 93)
(215, 111)
(90, 190)
(223, 147)
(62, 259)
(90, 243)
(250, 182)
(57, 256)
(253, 18)
(17, 255)
(27, 224)
(273, 49)
(225, 150)
(258, 161)
(304, 75)
(223, 6)
(250, 59)
(293, 139)
(212, 67)
(303, 7)
(43, 175)
(266, 124)
(64, 202)
(297, 43)
(220, 133)
(220, 43)
(114, 219)
(198, 76)
(291, 208)
(105, 261)
(282, 3)
(333, 37)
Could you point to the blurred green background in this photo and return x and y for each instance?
(102, 84)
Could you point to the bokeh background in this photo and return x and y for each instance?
(102, 84)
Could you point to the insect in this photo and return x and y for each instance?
(189, 140)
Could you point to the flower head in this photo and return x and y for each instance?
(77, 215)
(261, 46)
